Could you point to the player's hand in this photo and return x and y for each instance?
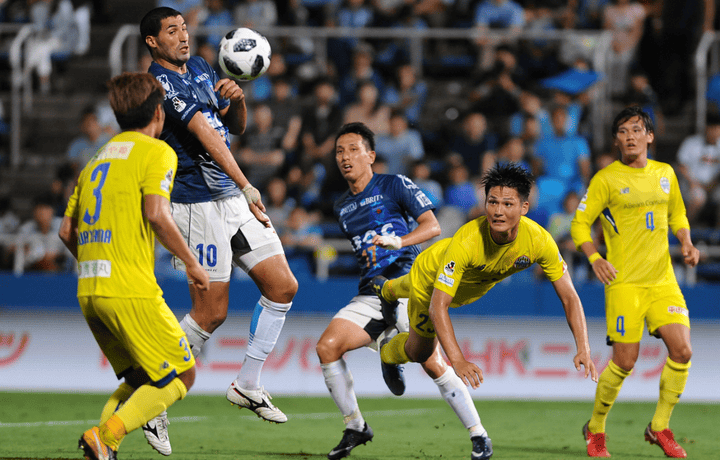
(691, 254)
(604, 271)
(252, 195)
(198, 276)
(388, 242)
(229, 89)
(469, 373)
(583, 359)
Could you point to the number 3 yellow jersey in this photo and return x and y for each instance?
(115, 240)
(638, 205)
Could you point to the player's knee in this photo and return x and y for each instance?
(284, 292)
(216, 320)
(327, 350)
(681, 355)
(625, 363)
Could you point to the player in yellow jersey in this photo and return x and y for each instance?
(458, 271)
(639, 199)
(120, 204)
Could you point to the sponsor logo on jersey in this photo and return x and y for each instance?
(94, 269)
(202, 77)
(679, 310)
(446, 280)
(422, 199)
(167, 86)
(165, 184)
(522, 262)
(178, 104)
(665, 184)
(582, 206)
(348, 209)
(115, 151)
(370, 200)
(625, 190)
(450, 268)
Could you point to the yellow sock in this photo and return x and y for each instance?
(394, 351)
(608, 387)
(116, 400)
(112, 432)
(672, 384)
(149, 401)
(398, 288)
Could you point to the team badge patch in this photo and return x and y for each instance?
(450, 268)
(167, 86)
(522, 262)
(665, 184)
(165, 184)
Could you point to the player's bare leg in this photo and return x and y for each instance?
(278, 287)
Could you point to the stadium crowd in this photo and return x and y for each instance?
(440, 130)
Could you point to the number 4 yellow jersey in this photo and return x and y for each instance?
(638, 205)
(115, 240)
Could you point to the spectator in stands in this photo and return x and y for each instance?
(368, 109)
(513, 150)
(496, 14)
(9, 223)
(286, 109)
(360, 70)
(588, 13)
(530, 107)
(625, 19)
(302, 232)
(408, 93)
(461, 193)
(475, 143)
(353, 14)
(216, 14)
(322, 117)
(559, 223)
(564, 157)
(641, 93)
(55, 35)
(261, 154)
(496, 93)
(62, 187)
(256, 13)
(699, 173)
(42, 248)
(420, 174)
(277, 203)
(91, 138)
(401, 146)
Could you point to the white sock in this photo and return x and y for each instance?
(454, 391)
(339, 382)
(267, 323)
(196, 335)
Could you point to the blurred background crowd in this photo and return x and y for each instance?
(496, 95)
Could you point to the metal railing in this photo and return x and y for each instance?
(707, 62)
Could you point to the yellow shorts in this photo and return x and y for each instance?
(627, 306)
(418, 307)
(135, 332)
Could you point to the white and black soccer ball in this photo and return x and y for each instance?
(244, 54)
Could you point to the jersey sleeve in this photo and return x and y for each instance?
(550, 259)
(412, 199)
(677, 216)
(71, 209)
(590, 207)
(453, 265)
(160, 172)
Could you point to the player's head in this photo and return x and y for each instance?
(629, 113)
(355, 152)
(165, 34)
(507, 188)
(136, 99)
(633, 134)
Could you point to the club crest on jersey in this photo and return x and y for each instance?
(167, 86)
(178, 104)
(450, 268)
(409, 184)
(522, 262)
(665, 184)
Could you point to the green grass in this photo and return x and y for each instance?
(207, 427)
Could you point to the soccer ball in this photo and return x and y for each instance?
(244, 54)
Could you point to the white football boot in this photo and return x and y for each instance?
(257, 401)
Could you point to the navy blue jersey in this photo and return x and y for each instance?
(198, 177)
(387, 206)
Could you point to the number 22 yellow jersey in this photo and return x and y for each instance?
(115, 240)
(638, 205)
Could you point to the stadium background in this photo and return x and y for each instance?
(517, 332)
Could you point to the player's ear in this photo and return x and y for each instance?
(524, 208)
(151, 41)
(372, 156)
(651, 137)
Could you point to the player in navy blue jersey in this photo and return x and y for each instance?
(385, 217)
(218, 211)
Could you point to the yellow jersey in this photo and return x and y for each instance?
(470, 263)
(115, 240)
(638, 205)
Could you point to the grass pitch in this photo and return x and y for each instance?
(47, 426)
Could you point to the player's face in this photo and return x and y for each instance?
(173, 42)
(504, 208)
(633, 139)
(353, 158)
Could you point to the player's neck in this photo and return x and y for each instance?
(358, 185)
(178, 67)
(635, 161)
(504, 237)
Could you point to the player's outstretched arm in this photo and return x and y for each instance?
(470, 373)
(576, 320)
(428, 227)
(691, 254)
(68, 234)
(215, 145)
(157, 211)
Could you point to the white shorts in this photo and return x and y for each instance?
(364, 310)
(224, 232)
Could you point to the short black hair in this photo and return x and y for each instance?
(362, 130)
(512, 175)
(151, 23)
(632, 112)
